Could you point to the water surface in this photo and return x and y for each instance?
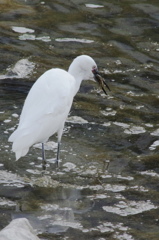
(107, 184)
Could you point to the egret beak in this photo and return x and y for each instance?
(100, 80)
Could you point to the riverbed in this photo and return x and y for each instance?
(106, 186)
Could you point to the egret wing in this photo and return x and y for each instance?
(51, 94)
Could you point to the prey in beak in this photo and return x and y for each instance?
(100, 80)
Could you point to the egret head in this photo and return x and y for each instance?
(85, 68)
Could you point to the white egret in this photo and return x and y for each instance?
(48, 104)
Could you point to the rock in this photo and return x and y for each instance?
(18, 229)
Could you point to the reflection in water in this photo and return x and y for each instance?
(56, 214)
(107, 183)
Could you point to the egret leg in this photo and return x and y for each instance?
(58, 153)
(43, 157)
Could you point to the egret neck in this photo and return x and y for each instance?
(78, 74)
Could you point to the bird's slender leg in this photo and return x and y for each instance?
(43, 157)
(59, 135)
(58, 153)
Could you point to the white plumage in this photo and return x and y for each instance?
(48, 104)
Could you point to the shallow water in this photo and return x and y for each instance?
(107, 184)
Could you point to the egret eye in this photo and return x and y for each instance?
(94, 70)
